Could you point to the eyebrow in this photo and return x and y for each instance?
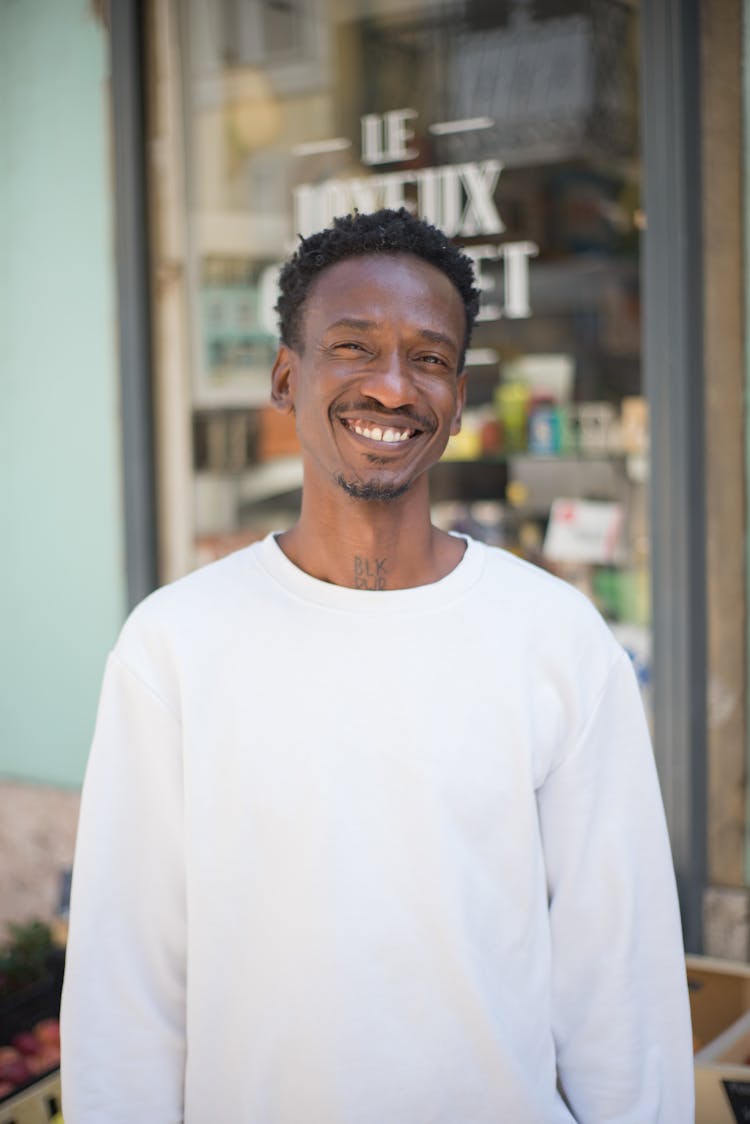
(437, 337)
(367, 325)
(353, 322)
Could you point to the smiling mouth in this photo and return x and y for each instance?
(383, 434)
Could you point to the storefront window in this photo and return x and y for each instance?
(512, 125)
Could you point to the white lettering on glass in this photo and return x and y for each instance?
(385, 137)
(515, 295)
(516, 255)
(457, 198)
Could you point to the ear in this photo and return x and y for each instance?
(283, 380)
(460, 403)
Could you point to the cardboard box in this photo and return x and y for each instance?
(38, 1104)
(720, 1009)
(722, 1077)
(719, 996)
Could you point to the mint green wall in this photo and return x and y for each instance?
(62, 581)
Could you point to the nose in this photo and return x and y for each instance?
(389, 382)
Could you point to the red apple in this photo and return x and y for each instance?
(6, 1089)
(26, 1043)
(48, 1032)
(13, 1068)
(51, 1054)
(9, 1055)
(48, 1058)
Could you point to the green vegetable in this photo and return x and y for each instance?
(23, 958)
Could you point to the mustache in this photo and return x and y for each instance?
(373, 408)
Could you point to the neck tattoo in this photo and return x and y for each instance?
(369, 573)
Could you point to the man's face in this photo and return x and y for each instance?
(377, 388)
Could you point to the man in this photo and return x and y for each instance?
(371, 831)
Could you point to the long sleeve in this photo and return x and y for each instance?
(620, 1017)
(123, 1007)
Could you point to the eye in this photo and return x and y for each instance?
(432, 360)
(347, 345)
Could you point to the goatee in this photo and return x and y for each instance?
(372, 490)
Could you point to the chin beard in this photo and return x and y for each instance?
(372, 490)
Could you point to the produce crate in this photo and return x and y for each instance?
(722, 1077)
(22, 1010)
(37, 1104)
(720, 1009)
(719, 995)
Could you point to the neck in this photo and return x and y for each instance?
(372, 544)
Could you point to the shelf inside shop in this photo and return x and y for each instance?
(268, 479)
(490, 473)
(234, 389)
(538, 458)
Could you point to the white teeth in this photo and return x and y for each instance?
(391, 436)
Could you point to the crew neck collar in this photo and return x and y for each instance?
(302, 585)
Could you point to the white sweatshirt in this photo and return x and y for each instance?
(352, 857)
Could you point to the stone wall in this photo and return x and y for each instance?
(37, 838)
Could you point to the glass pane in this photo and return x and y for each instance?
(513, 126)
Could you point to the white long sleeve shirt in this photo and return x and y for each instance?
(352, 857)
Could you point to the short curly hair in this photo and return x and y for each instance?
(382, 232)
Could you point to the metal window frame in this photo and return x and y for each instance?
(133, 297)
(673, 377)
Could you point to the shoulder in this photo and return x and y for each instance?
(183, 615)
(554, 604)
(208, 586)
(552, 625)
(572, 662)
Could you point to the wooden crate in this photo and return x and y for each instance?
(719, 996)
(722, 1076)
(720, 1008)
(37, 1104)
